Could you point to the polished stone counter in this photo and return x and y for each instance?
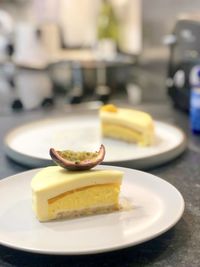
(177, 247)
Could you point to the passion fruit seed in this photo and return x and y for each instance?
(77, 156)
(109, 108)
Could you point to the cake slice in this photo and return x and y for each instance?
(127, 124)
(59, 193)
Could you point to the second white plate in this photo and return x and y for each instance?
(29, 144)
(154, 206)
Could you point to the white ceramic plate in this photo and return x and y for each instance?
(29, 144)
(153, 207)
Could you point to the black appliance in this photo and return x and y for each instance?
(184, 59)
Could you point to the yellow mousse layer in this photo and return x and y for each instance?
(60, 193)
(128, 125)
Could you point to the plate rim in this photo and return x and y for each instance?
(106, 249)
(150, 161)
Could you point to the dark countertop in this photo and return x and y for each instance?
(177, 247)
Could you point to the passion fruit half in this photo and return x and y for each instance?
(77, 161)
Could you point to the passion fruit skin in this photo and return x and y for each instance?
(62, 159)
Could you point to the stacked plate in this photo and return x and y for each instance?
(30, 143)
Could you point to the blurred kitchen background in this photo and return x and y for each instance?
(56, 52)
